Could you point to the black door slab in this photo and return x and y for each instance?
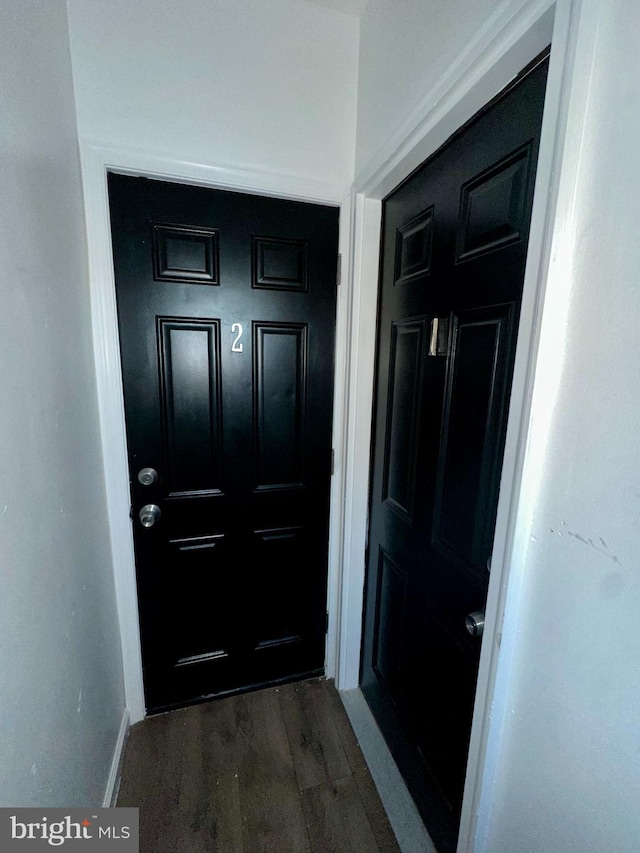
(454, 245)
(226, 310)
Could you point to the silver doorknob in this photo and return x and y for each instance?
(147, 476)
(474, 623)
(149, 514)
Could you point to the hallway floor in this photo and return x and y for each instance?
(277, 770)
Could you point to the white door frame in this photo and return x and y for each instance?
(512, 37)
(96, 161)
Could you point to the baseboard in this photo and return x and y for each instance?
(113, 782)
(411, 835)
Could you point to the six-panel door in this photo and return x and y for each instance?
(453, 255)
(226, 309)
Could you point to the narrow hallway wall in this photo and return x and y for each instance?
(60, 682)
(568, 772)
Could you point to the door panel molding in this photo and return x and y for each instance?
(391, 607)
(177, 402)
(176, 256)
(402, 417)
(512, 37)
(96, 160)
(465, 544)
(280, 343)
(500, 190)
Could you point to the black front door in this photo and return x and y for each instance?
(453, 256)
(226, 310)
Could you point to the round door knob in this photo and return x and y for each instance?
(147, 476)
(149, 514)
(474, 623)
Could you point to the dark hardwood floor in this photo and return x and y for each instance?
(276, 770)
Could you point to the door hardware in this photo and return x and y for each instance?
(149, 514)
(474, 623)
(439, 338)
(147, 476)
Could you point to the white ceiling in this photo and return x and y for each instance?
(351, 7)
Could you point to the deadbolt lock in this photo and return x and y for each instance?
(147, 476)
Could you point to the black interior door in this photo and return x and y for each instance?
(226, 310)
(453, 256)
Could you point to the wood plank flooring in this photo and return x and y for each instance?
(276, 770)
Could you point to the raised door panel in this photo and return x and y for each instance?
(189, 356)
(402, 423)
(280, 583)
(390, 622)
(414, 242)
(471, 435)
(280, 379)
(204, 625)
(280, 264)
(184, 254)
(493, 206)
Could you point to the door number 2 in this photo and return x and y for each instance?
(236, 346)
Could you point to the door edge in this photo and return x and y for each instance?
(97, 159)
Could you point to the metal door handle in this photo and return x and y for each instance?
(147, 476)
(474, 623)
(149, 514)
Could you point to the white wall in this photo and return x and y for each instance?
(569, 772)
(235, 83)
(568, 759)
(404, 48)
(60, 679)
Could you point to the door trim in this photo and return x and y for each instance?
(96, 160)
(511, 38)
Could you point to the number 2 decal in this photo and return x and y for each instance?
(236, 346)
